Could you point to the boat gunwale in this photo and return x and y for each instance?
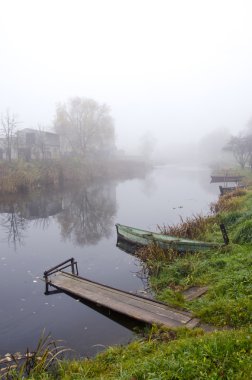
(155, 238)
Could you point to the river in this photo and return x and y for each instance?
(41, 230)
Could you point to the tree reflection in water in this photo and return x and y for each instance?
(85, 214)
(18, 211)
(14, 224)
(88, 213)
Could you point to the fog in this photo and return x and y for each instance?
(171, 71)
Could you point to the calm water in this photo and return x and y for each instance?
(40, 231)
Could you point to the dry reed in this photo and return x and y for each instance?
(228, 202)
(19, 366)
(194, 227)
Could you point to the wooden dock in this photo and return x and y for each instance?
(133, 306)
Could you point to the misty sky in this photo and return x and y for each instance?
(176, 69)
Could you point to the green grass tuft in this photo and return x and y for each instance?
(219, 355)
(243, 233)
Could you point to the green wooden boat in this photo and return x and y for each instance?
(139, 238)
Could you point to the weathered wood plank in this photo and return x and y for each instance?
(134, 306)
(194, 292)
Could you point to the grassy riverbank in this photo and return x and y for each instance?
(226, 307)
(227, 273)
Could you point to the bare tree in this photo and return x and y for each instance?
(86, 125)
(249, 150)
(241, 149)
(8, 129)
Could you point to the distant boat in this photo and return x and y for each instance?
(140, 238)
(225, 190)
(226, 178)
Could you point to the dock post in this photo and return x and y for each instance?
(46, 282)
(224, 233)
(72, 265)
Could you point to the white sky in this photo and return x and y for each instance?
(175, 68)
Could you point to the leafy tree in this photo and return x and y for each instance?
(85, 126)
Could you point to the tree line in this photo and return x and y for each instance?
(85, 128)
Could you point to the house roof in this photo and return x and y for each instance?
(32, 130)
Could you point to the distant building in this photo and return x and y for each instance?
(4, 154)
(34, 144)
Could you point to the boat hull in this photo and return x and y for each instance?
(140, 238)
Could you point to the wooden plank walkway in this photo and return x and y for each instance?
(134, 306)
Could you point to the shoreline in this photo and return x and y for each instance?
(225, 305)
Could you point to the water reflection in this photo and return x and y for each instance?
(84, 214)
(125, 246)
(17, 211)
(13, 225)
(88, 213)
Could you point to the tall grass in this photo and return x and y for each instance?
(45, 356)
(153, 258)
(194, 227)
(221, 355)
(244, 233)
(21, 176)
(228, 202)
